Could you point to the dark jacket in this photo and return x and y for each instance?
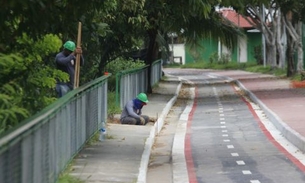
(67, 65)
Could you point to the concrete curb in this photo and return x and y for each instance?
(153, 132)
(291, 135)
(180, 172)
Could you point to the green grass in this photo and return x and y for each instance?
(112, 107)
(250, 67)
(65, 177)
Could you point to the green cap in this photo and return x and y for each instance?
(69, 45)
(142, 97)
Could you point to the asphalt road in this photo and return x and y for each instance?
(224, 139)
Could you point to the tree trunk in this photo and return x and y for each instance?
(271, 55)
(281, 42)
(300, 47)
(290, 54)
(152, 33)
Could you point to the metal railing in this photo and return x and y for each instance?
(42, 146)
(131, 82)
(156, 72)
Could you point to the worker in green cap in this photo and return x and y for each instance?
(65, 61)
(132, 112)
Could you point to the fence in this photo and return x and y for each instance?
(131, 82)
(39, 149)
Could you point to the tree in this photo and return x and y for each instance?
(293, 19)
(192, 20)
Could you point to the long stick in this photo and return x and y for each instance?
(77, 65)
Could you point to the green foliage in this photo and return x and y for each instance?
(112, 107)
(66, 178)
(223, 59)
(27, 82)
(218, 65)
(258, 54)
(120, 64)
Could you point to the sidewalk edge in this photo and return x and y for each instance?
(153, 132)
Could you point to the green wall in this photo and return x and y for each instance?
(254, 39)
(209, 46)
(201, 52)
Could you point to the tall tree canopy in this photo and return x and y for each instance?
(32, 31)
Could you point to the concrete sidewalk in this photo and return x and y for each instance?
(124, 156)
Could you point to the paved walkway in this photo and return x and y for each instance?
(124, 156)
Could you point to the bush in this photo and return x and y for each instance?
(118, 65)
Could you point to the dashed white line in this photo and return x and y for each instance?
(225, 135)
(246, 172)
(255, 181)
(234, 154)
(223, 123)
(226, 140)
(230, 146)
(224, 131)
(240, 162)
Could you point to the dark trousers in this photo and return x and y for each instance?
(62, 89)
(134, 121)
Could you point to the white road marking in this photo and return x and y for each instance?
(247, 172)
(275, 133)
(234, 154)
(226, 140)
(255, 181)
(240, 162)
(230, 146)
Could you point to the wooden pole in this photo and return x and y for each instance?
(77, 64)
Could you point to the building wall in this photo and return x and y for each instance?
(202, 52)
(179, 53)
(244, 52)
(254, 40)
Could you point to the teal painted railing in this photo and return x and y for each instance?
(42, 146)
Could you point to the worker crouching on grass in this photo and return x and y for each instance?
(132, 111)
